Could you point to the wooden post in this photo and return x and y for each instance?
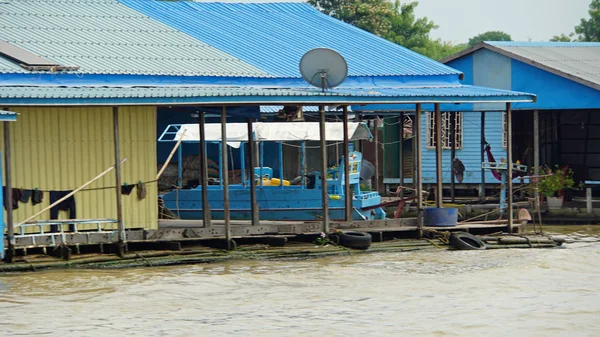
(401, 153)
(452, 152)
(121, 225)
(536, 142)
(588, 199)
(418, 168)
(482, 192)
(206, 216)
(324, 194)
(438, 156)
(10, 232)
(376, 136)
(347, 191)
(251, 166)
(510, 164)
(225, 181)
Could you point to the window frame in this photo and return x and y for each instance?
(446, 143)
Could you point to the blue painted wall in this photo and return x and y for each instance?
(553, 91)
(470, 154)
(465, 65)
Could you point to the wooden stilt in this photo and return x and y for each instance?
(483, 144)
(251, 166)
(324, 194)
(206, 216)
(418, 168)
(510, 164)
(225, 182)
(376, 136)
(347, 191)
(121, 225)
(452, 152)
(401, 152)
(10, 232)
(438, 156)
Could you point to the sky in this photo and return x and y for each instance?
(524, 20)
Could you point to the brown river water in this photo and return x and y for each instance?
(519, 292)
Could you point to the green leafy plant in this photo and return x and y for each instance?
(322, 240)
(559, 179)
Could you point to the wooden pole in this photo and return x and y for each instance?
(120, 224)
(536, 142)
(70, 194)
(347, 191)
(10, 232)
(376, 136)
(510, 164)
(438, 156)
(225, 182)
(452, 151)
(162, 169)
(206, 218)
(324, 194)
(401, 152)
(251, 175)
(418, 168)
(482, 196)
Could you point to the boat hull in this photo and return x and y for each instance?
(288, 203)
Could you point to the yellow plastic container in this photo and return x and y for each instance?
(335, 197)
(277, 182)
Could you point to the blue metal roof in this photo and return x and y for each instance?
(106, 37)
(274, 36)
(219, 95)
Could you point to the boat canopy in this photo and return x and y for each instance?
(278, 132)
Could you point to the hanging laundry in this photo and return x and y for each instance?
(141, 190)
(126, 189)
(16, 196)
(37, 197)
(66, 205)
(25, 195)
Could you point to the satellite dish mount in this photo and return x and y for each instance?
(323, 68)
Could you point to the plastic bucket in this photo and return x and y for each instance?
(440, 217)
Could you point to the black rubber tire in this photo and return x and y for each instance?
(466, 241)
(354, 240)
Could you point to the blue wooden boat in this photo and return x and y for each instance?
(278, 199)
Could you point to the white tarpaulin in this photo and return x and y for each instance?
(287, 131)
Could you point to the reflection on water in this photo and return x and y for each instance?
(526, 292)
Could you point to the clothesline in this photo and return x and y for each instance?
(87, 189)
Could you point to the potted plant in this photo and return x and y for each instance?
(554, 185)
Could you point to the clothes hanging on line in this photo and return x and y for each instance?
(37, 196)
(126, 189)
(16, 196)
(141, 190)
(66, 205)
(25, 195)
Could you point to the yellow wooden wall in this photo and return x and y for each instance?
(62, 148)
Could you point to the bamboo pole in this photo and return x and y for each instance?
(70, 194)
(324, 192)
(164, 167)
(438, 157)
(510, 165)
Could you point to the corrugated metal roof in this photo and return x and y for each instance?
(577, 61)
(104, 36)
(213, 95)
(581, 60)
(274, 36)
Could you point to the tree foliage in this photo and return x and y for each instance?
(562, 38)
(393, 21)
(489, 36)
(589, 30)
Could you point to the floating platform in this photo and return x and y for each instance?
(168, 250)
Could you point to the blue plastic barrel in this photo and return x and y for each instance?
(440, 217)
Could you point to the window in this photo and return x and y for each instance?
(446, 129)
(504, 130)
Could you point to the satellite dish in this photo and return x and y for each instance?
(324, 68)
